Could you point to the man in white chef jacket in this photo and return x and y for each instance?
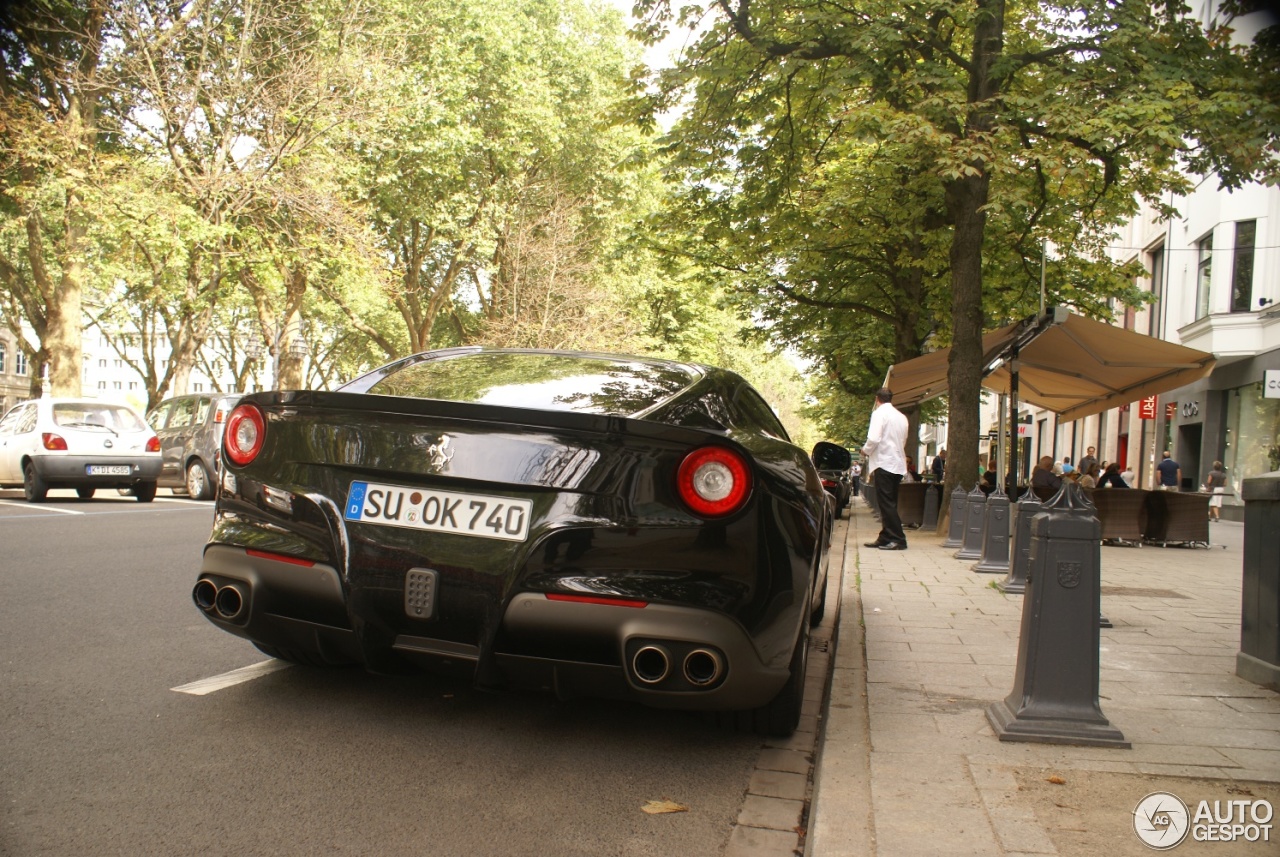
(887, 461)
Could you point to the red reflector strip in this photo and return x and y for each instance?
(280, 557)
(595, 599)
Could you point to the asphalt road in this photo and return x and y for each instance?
(100, 755)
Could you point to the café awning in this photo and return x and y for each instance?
(1065, 363)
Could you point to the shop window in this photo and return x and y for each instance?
(1242, 266)
(1204, 273)
(1253, 435)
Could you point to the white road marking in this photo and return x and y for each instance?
(240, 676)
(184, 501)
(33, 507)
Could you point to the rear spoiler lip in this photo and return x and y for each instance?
(494, 414)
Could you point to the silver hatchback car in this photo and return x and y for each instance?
(190, 431)
(85, 444)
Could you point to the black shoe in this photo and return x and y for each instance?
(872, 544)
(894, 546)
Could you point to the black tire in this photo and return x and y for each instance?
(34, 488)
(86, 493)
(199, 485)
(821, 609)
(307, 659)
(781, 715)
(145, 491)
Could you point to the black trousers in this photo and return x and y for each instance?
(887, 499)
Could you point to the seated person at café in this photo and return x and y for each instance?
(1111, 478)
(1044, 477)
(913, 475)
(1090, 477)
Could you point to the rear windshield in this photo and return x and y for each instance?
(91, 415)
(554, 382)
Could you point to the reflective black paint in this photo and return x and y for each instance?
(607, 520)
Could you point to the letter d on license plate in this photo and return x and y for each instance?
(476, 515)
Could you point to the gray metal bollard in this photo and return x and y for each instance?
(1055, 690)
(931, 502)
(975, 514)
(1258, 660)
(955, 529)
(1020, 547)
(995, 536)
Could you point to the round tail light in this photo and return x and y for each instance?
(714, 481)
(246, 430)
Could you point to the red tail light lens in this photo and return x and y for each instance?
(595, 599)
(714, 481)
(53, 441)
(246, 430)
(153, 444)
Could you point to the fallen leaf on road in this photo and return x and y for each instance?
(1056, 780)
(655, 807)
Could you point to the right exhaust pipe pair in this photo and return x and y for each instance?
(701, 667)
(227, 601)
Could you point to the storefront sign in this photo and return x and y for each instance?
(1147, 408)
(1170, 410)
(1271, 386)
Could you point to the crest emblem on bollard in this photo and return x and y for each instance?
(1069, 574)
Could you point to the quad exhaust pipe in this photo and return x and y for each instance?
(651, 664)
(226, 601)
(697, 667)
(703, 667)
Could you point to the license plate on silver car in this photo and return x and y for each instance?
(107, 470)
(476, 515)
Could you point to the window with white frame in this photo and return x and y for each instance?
(4, 353)
(1204, 273)
(19, 363)
(1242, 266)
(1156, 264)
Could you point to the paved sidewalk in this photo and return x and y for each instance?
(906, 761)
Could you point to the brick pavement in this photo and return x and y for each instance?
(906, 763)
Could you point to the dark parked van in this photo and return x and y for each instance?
(190, 431)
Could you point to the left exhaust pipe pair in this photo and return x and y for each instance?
(227, 601)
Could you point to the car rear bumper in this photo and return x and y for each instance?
(664, 655)
(73, 470)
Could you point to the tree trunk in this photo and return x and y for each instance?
(964, 366)
(62, 338)
(966, 197)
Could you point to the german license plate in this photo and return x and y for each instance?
(107, 470)
(476, 515)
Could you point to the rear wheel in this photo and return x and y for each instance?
(86, 493)
(199, 487)
(34, 488)
(145, 491)
(820, 609)
(781, 715)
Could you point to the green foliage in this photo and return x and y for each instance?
(869, 176)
